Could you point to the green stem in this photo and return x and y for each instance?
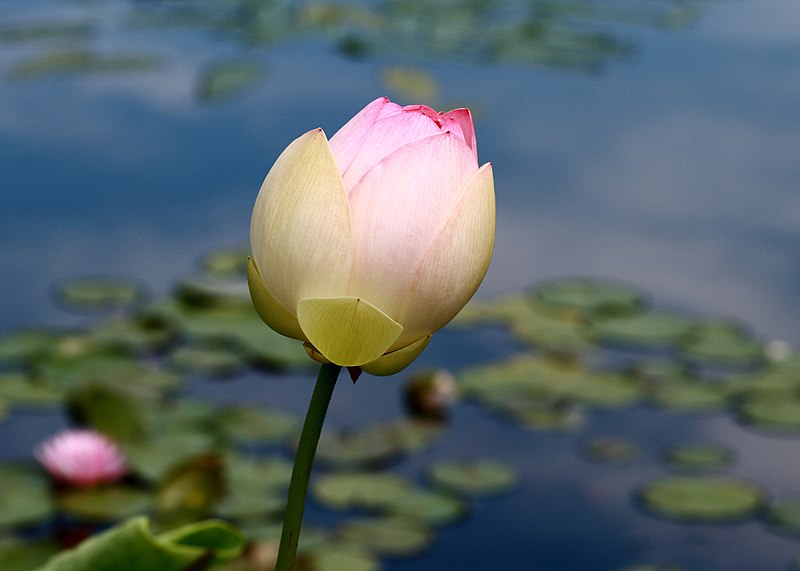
(303, 461)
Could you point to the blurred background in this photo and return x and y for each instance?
(655, 143)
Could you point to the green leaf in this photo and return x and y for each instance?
(131, 546)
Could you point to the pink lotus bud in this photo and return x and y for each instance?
(365, 245)
(82, 458)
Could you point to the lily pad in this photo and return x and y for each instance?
(113, 503)
(226, 80)
(784, 514)
(154, 458)
(257, 475)
(698, 457)
(611, 450)
(25, 345)
(70, 62)
(723, 343)
(476, 476)
(645, 329)
(257, 425)
(411, 84)
(22, 391)
(388, 536)
(710, 500)
(773, 414)
(604, 390)
(212, 360)
(365, 490)
(594, 297)
(99, 293)
(692, 396)
(434, 508)
(226, 262)
(19, 555)
(25, 497)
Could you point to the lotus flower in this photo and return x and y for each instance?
(82, 458)
(366, 244)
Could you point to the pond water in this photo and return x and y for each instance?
(653, 143)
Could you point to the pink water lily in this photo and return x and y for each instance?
(82, 458)
(366, 244)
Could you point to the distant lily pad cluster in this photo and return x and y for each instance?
(553, 33)
(128, 374)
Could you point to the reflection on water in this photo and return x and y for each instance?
(676, 171)
(563, 34)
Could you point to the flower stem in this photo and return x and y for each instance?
(303, 461)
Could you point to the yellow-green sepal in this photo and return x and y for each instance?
(348, 331)
(270, 309)
(396, 361)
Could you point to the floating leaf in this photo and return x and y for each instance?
(112, 503)
(25, 345)
(698, 457)
(227, 80)
(111, 411)
(190, 489)
(391, 536)
(227, 262)
(257, 425)
(131, 544)
(80, 61)
(701, 499)
(411, 84)
(615, 450)
(476, 476)
(775, 414)
(645, 329)
(20, 390)
(25, 496)
(99, 293)
(18, 555)
(593, 297)
(432, 507)
(154, 458)
(211, 359)
(695, 396)
(784, 514)
(723, 343)
(604, 390)
(41, 31)
(358, 490)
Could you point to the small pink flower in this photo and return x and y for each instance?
(82, 458)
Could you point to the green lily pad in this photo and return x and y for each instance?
(25, 345)
(784, 514)
(112, 503)
(190, 489)
(20, 32)
(698, 457)
(19, 555)
(364, 490)
(388, 536)
(132, 336)
(723, 343)
(500, 311)
(611, 450)
(211, 360)
(604, 390)
(334, 557)
(653, 328)
(22, 391)
(114, 412)
(257, 475)
(597, 298)
(226, 80)
(432, 507)
(476, 476)
(25, 497)
(226, 262)
(238, 506)
(153, 458)
(773, 414)
(132, 546)
(693, 396)
(99, 293)
(210, 292)
(257, 425)
(554, 417)
(70, 62)
(411, 84)
(701, 499)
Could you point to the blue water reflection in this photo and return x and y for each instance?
(676, 169)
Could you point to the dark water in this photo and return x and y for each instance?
(675, 166)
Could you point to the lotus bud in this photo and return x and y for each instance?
(366, 244)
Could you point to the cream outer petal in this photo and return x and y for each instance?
(347, 331)
(270, 309)
(396, 361)
(456, 262)
(300, 232)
